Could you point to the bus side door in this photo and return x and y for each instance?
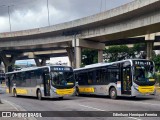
(126, 78)
(46, 82)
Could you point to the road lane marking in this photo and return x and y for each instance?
(91, 107)
(141, 103)
(11, 105)
(105, 110)
(134, 118)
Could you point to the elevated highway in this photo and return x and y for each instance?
(140, 17)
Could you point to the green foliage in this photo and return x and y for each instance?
(89, 57)
(118, 52)
(121, 52)
(16, 66)
(158, 78)
(156, 59)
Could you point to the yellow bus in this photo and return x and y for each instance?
(42, 82)
(132, 77)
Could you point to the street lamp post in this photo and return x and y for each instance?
(48, 13)
(9, 17)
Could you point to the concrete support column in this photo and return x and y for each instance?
(100, 56)
(8, 61)
(79, 43)
(149, 38)
(70, 53)
(149, 50)
(78, 57)
(40, 62)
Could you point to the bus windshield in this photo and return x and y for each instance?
(144, 75)
(62, 79)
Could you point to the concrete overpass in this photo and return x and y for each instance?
(140, 17)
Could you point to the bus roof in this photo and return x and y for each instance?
(35, 68)
(105, 64)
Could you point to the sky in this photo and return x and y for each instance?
(30, 14)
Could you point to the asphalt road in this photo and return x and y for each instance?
(89, 103)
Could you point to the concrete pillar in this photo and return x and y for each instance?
(149, 38)
(100, 56)
(78, 57)
(79, 43)
(40, 62)
(70, 53)
(8, 61)
(149, 50)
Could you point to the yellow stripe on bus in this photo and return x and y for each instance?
(151, 80)
(146, 89)
(7, 90)
(21, 91)
(65, 91)
(86, 89)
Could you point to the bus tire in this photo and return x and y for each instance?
(60, 98)
(39, 95)
(14, 93)
(113, 93)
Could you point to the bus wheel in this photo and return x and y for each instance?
(113, 93)
(14, 93)
(39, 95)
(60, 98)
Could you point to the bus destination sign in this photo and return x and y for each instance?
(60, 69)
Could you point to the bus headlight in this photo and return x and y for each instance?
(135, 87)
(53, 90)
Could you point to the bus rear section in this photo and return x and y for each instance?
(42, 82)
(117, 78)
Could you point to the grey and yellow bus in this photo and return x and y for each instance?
(42, 82)
(132, 77)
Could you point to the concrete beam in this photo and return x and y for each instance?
(49, 52)
(88, 44)
(9, 61)
(149, 37)
(40, 62)
(35, 54)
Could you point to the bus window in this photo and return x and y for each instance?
(101, 76)
(90, 77)
(113, 75)
(82, 78)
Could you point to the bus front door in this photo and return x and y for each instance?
(9, 85)
(126, 81)
(46, 81)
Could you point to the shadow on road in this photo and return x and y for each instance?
(142, 98)
(44, 99)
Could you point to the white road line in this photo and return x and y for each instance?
(105, 110)
(91, 107)
(142, 103)
(134, 118)
(11, 105)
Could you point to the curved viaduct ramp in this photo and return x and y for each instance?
(139, 17)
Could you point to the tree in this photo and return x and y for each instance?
(156, 59)
(121, 52)
(89, 56)
(116, 53)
